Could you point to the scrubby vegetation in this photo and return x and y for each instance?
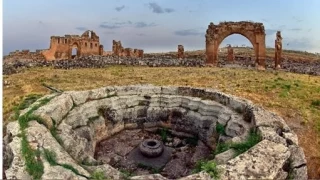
(241, 147)
(209, 167)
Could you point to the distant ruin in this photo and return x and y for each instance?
(73, 47)
(119, 50)
(254, 32)
(63, 47)
(180, 52)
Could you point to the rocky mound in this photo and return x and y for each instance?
(56, 137)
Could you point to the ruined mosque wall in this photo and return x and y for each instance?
(85, 45)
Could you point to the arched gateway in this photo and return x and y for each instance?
(254, 32)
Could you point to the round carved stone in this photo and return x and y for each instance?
(151, 148)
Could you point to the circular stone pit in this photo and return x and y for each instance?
(79, 120)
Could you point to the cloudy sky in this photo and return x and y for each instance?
(157, 25)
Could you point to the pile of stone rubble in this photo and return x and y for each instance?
(166, 60)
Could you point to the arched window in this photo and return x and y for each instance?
(96, 45)
(65, 41)
(85, 44)
(58, 40)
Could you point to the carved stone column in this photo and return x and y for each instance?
(278, 50)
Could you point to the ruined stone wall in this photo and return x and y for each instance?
(119, 50)
(24, 55)
(85, 45)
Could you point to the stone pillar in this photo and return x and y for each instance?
(180, 52)
(230, 56)
(261, 52)
(278, 50)
(211, 45)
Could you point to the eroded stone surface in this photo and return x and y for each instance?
(300, 173)
(17, 169)
(262, 161)
(224, 157)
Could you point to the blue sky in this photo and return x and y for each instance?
(157, 25)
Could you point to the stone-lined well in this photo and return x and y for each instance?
(84, 118)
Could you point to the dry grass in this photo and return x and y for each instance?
(292, 96)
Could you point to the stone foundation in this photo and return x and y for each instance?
(84, 118)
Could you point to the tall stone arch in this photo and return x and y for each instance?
(254, 32)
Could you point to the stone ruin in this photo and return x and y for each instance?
(180, 52)
(120, 51)
(74, 122)
(230, 56)
(61, 47)
(254, 32)
(278, 50)
(24, 55)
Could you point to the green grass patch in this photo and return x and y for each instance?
(126, 174)
(164, 133)
(220, 129)
(28, 116)
(54, 133)
(239, 148)
(221, 147)
(34, 165)
(98, 175)
(253, 139)
(209, 167)
(51, 157)
(28, 100)
(52, 160)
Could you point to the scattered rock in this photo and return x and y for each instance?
(176, 142)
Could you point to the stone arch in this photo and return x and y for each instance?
(254, 32)
(76, 46)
